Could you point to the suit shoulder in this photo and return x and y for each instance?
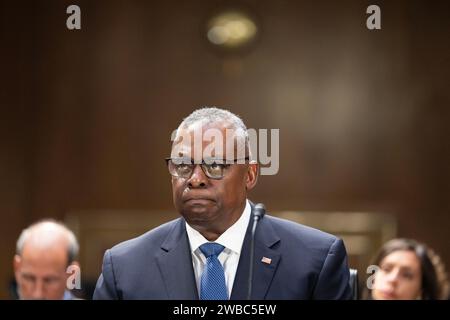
(296, 231)
(148, 241)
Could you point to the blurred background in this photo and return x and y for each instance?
(86, 115)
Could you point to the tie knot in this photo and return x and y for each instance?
(211, 249)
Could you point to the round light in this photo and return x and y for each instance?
(231, 29)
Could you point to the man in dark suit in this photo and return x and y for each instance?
(205, 254)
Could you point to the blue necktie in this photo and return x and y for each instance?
(212, 286)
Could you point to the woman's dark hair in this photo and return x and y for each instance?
(434, 277)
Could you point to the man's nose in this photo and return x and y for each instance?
(198, 178)
(38, 290)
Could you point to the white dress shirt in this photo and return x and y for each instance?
(232, 239)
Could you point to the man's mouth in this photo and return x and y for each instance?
(198, 201)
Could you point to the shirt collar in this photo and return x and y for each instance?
(67, 295)
(232, 238)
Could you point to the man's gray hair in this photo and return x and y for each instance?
(214, 114)
(27, 234)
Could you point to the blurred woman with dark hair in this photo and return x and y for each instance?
(408, 270)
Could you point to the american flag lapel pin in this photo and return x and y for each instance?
(266, 260)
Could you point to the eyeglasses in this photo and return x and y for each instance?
(212, 168)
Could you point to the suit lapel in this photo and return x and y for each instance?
(175, 264)
(266, 261)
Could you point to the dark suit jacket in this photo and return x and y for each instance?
(305, 264)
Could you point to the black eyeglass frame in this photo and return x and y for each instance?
(203, 164)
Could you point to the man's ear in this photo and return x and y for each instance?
(252, 175)
(17, 262)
